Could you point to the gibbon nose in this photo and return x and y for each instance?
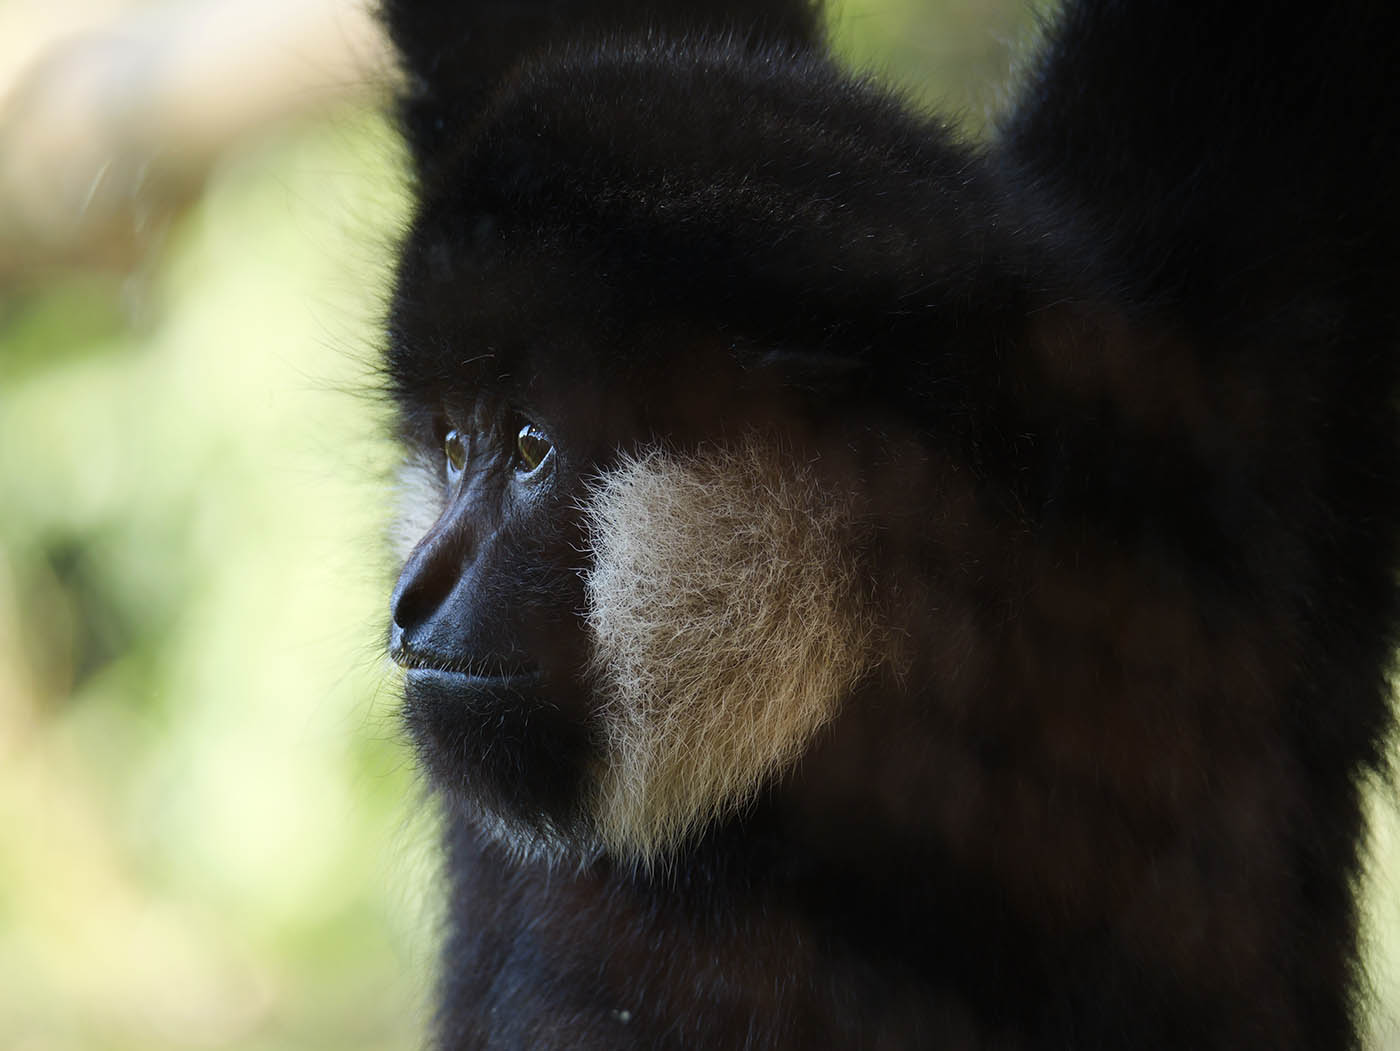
(426, 600)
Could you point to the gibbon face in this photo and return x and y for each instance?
(626, 612)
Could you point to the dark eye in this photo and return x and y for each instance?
(532, 445)
(455, 446)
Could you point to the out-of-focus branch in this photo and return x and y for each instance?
(106, 135)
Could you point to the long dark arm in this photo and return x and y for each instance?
(1223, 156)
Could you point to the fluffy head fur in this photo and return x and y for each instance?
(727, 621)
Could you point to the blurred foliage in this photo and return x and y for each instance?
(951, 57)
(207, 821)
(202, 796)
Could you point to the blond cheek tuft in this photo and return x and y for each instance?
(727, 622)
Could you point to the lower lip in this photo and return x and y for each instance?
(470, 680)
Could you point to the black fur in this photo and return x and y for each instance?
(1118, 391)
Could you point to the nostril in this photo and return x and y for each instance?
(417, 601)
(414, 601)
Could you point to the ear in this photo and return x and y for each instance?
(456, 52)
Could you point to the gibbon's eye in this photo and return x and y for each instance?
(455, 446)
(532, 445)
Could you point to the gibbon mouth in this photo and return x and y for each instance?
(485, 671)
(495, 679)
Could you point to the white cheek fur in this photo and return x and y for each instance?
(727, 621)
(421, 499)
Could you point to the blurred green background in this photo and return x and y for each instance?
(210, 832)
